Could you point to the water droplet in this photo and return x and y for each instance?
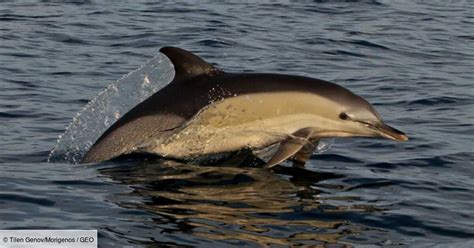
(324, 145)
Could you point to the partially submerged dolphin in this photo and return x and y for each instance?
(206, 111)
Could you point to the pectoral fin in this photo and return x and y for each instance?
(300, 158)
(290, 146)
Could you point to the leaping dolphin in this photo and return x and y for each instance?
(206, 111)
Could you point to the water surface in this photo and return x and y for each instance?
(412, 59)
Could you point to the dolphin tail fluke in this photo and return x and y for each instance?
(291, 146)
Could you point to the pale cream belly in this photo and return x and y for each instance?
(252, 121)
(197, 140)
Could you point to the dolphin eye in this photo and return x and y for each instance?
(343, 116)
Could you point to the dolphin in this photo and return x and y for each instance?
(206, 111)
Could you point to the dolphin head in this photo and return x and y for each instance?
(359, 117)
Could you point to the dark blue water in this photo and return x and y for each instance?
(413, 61)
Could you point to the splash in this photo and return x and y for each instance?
(108, 106)
(324, 145)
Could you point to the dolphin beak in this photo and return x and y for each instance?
(389, 132)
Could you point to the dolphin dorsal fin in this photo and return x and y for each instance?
(187, 65)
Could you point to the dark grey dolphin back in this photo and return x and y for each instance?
(163, 111)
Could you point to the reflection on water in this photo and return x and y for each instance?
(250, 205)
(412, 60)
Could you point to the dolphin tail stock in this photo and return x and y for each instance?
(298, 143)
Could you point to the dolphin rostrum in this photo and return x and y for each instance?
(206, 111)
